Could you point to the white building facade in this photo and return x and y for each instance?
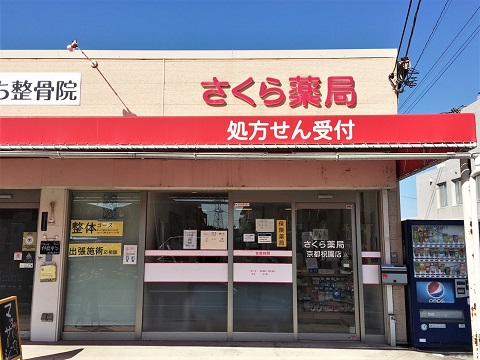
(439, 191)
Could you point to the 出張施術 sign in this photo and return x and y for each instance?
(40, 88)
(95, 228)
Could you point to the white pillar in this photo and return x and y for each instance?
(472, 247)
(46, 298)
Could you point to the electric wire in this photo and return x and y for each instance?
(437, 24)
(430, 72)
(413, 27)
(403, 33)
(447, 66)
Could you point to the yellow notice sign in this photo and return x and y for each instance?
(76, 250)
(48, 272)
(281, 233)
(96, 228)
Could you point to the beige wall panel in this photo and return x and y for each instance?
(374, 92)
(124, 173)
(139, 85)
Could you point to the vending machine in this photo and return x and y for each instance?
(437, 291)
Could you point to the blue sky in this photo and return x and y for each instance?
(448, 66)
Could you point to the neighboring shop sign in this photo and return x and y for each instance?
(48, 272)
(303, 91)
(29, 241)
(10, 343)
(95, 228)
(50, 247)
(40, 88)
(27, 260)
(95, 249)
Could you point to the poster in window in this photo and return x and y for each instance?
(213, 240)
(265, 225)
(129, 254)
(264, 238)
(248, 237)
(281, 233)
(189, 239)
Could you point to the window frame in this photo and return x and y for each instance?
(442, 194)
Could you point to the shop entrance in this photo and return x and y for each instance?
(262, 271)
(18, 238)
(327, 299)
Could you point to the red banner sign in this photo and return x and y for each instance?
(239, 131)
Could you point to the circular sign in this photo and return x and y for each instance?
(29, 240)
(424, 327)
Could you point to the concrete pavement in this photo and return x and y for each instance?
(232, 350)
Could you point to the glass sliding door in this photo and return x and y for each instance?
(186, 269)
(101, 279)
(262, 271)
(326, 275)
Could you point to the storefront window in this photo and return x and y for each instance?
(262, 269)
(371, 258)
(102, 262)
(186, 272)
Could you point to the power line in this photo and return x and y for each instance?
(437, 24)
(447, 66)
(429, 72)
(413, 27)
(404, 74)
(403, 33)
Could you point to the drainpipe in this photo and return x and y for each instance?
(472, 243)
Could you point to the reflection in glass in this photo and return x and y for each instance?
(199, 306)
(262, 306)
(372, 294)
(101, 290)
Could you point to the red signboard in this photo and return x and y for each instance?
(192, 132)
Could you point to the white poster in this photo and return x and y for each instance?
(264, 239)
(129, 254)
(189, 239)
(265, 225)
(248, 237)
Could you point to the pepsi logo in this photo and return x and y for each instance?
(435, 289)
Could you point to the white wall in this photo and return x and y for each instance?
(47, 295)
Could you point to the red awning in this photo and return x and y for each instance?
(400, 134)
